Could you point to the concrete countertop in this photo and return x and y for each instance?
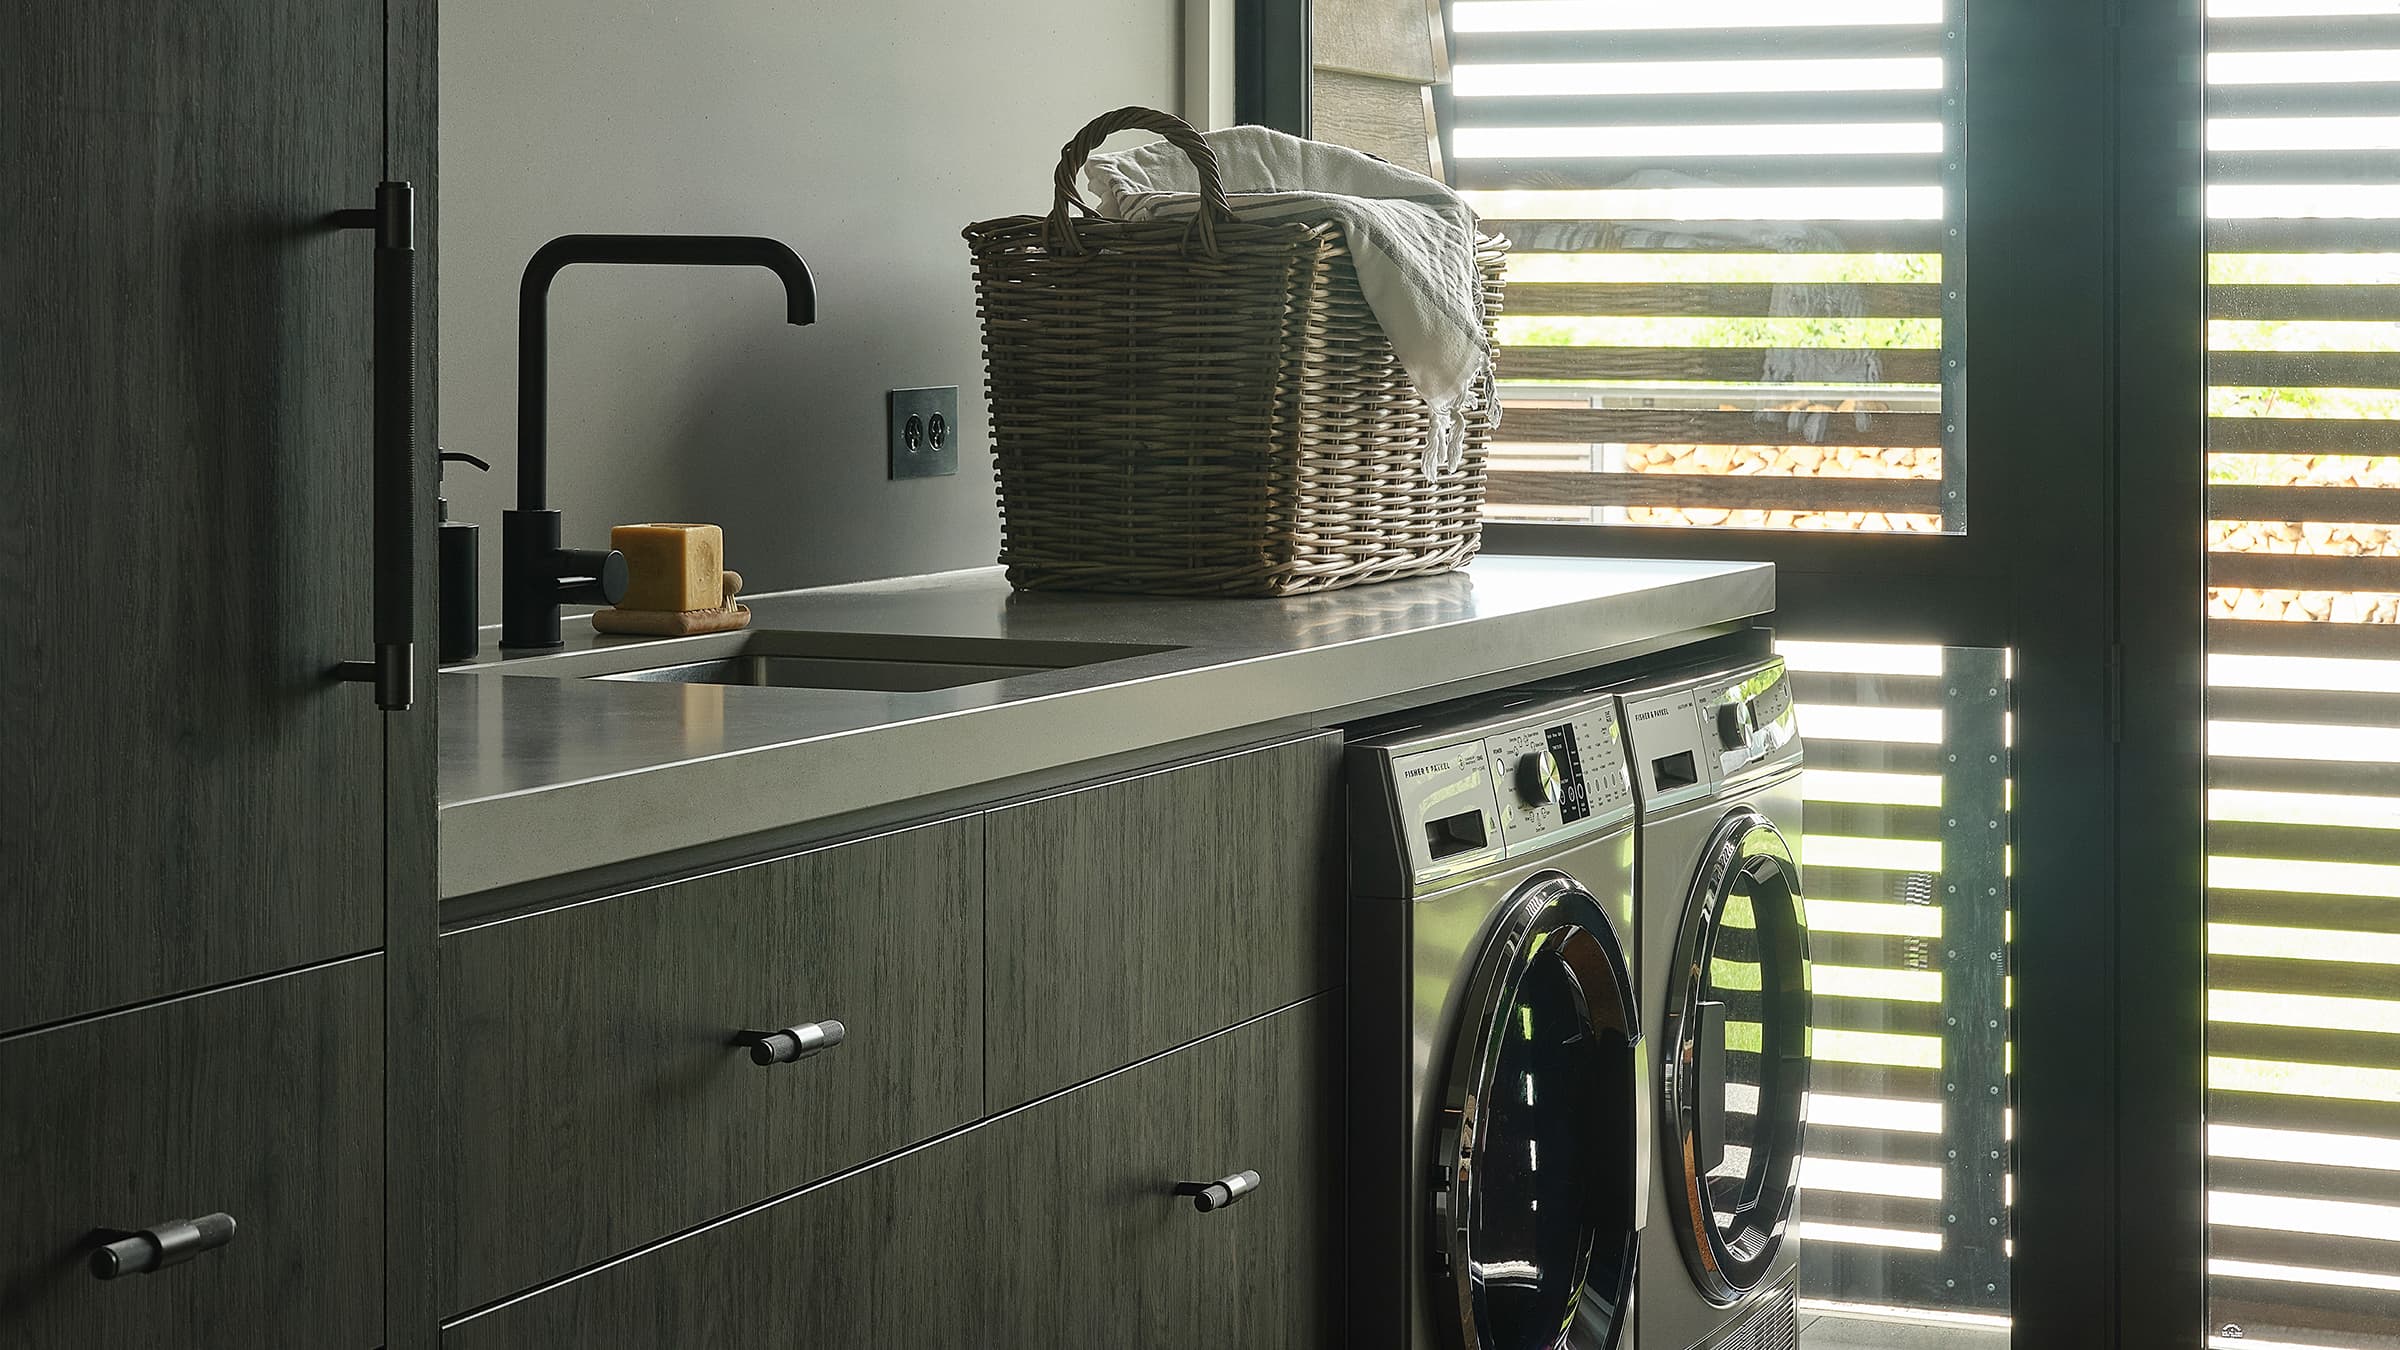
(541, 776)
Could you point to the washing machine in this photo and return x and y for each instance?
(1724, 975)
(1498, 1143)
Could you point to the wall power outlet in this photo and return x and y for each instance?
(923, 429)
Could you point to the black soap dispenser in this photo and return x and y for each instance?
(458, 543)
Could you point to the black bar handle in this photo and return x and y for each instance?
(154, 1249)
(393, 671)
(794, 1043)
(1210, 1196)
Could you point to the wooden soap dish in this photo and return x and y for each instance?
(678, 622)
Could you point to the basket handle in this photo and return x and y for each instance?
(1214, 209)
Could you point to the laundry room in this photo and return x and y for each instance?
(1213, 674)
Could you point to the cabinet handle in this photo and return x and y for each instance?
(1210, 1196)
(794, 1043)
(169, 1244)
(393, 669)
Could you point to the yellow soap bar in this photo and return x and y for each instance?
(671, 567)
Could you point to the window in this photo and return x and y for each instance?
(2303, 450)
(1737, 281)
(1904, 1189)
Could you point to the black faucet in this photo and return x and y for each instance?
(536, 574)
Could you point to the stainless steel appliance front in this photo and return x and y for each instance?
(1499, 1123)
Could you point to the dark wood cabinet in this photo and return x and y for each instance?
(186, 798)
(263, 1101)
(599, 1096)
(1133, 916)
(1055, 1225)
(193, 810)
(1095, 1250)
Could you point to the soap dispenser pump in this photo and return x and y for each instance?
(458, 543)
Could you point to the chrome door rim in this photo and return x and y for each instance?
(1550, 909)
(1743, 844)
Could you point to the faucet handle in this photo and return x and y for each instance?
(591, 576)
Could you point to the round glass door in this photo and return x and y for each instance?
(1737, 1038)
(1533, 1219)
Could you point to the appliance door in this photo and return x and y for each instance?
(1737, 1040)
(1534, 1225)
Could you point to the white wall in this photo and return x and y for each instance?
(865, 134)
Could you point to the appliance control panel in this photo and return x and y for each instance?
(1469, 792)
(1749, 719)
(1564, 770)
(1692, 739)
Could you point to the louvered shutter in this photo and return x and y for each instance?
(1737, 286)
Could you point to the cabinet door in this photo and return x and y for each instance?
(1095, 1250)
(185, 427)
(598, 1095)
(1131, 917)
(263, 1102)
(1055, 1225)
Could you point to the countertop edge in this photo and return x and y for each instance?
(512, 839)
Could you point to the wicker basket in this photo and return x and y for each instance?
(1205, 406)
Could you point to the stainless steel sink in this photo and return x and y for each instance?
(789, 659)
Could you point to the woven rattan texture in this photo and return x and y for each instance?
(1206, 406)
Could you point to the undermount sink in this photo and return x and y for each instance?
(787, 659)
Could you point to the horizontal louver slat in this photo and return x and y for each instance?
(1697, 44)
(2313, 1317)
(2310, 1181)
(2330, 707)
(2304, 572)
(2344, 370)
(1872, 1211)
(2304, 100)
(1652, 171)
(1890, 1146)
(2271, 1111)
(1569, 235)
(1761, 365)
(2269, 638)
(1723, 492)
(2310, 914)
(2323, 843)
(2305, 1045)
(2306, 33)
(2380, 303)
(2304, 435)
(1729, 108)
(2332, 234)
(1675, 426)
(1879, 300)
(2229, 501)
(2303, 775)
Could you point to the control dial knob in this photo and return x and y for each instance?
(1538, 778)
(1733, 725)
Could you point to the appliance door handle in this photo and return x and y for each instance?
(1210, 1196)
(393, 669)
(154, 1249)
(1708, 1114)
(1645, 1138)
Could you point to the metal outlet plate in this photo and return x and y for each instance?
(922, 427)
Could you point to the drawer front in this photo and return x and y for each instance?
(1134, 916)
(598, 1092)
(1052, 1226)
(263, 1102)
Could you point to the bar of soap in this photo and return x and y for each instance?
(671, 567)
